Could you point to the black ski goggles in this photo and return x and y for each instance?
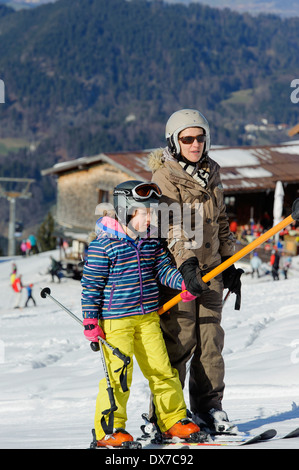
(145, 191)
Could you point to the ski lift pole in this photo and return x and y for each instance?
(240, 254)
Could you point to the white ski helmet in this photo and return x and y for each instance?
(181, 120)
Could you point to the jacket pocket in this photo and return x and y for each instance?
(111, 296)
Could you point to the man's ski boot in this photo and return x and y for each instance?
(148, 429)
(185, 430)
(118, 439)
(215, 422)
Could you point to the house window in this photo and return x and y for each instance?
(103, 196)
(230, 202)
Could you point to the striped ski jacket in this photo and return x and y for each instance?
(121, 275)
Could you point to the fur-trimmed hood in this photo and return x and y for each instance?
(157, 158)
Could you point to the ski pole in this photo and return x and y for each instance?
(226, 297)
(46, 292)
(108, 428)
(237, 256)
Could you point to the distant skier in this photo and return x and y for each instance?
(33, 244)
(13, 274)
(55, 269)
(29, 294)
(275, 263)
(17, 287)
(256, 264)
(286, 262)
(120, 286)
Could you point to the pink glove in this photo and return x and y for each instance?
(186, 296)
(92, 329)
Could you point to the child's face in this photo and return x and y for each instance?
(141, 219)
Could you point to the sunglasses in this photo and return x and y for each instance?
(188, 140)
(146, 190)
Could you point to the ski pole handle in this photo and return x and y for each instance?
(95, 346)
(46, 292)
(240, 254)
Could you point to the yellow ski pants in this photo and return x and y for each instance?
(140, 335)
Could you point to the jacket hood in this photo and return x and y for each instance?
(157, 158)
(109, 227)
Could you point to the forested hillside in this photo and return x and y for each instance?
(86, 65)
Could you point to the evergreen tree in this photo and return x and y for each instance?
(45, 234)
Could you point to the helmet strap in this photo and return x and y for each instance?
(172, 147)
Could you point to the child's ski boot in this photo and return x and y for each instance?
(118, 439)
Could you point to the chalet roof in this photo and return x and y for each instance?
(257, 168)
(133, 163)
(243, 169)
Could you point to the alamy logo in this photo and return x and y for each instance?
(295, 354)
(2, 92)
(179, 222)
(295, 93)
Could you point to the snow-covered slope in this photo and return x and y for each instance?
(49, 375)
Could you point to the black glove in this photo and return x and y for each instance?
(192, 277)
(231, 281)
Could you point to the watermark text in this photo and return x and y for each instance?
(295, 353)
(2, 352)
(178, 222)
(295, 93)
(2, 92)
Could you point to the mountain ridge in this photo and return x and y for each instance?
(285, 8)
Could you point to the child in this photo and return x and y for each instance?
(29, 294)
(120, 287)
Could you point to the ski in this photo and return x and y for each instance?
(263, 436)
(239, 440)
(292, 434)
(147, 442)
